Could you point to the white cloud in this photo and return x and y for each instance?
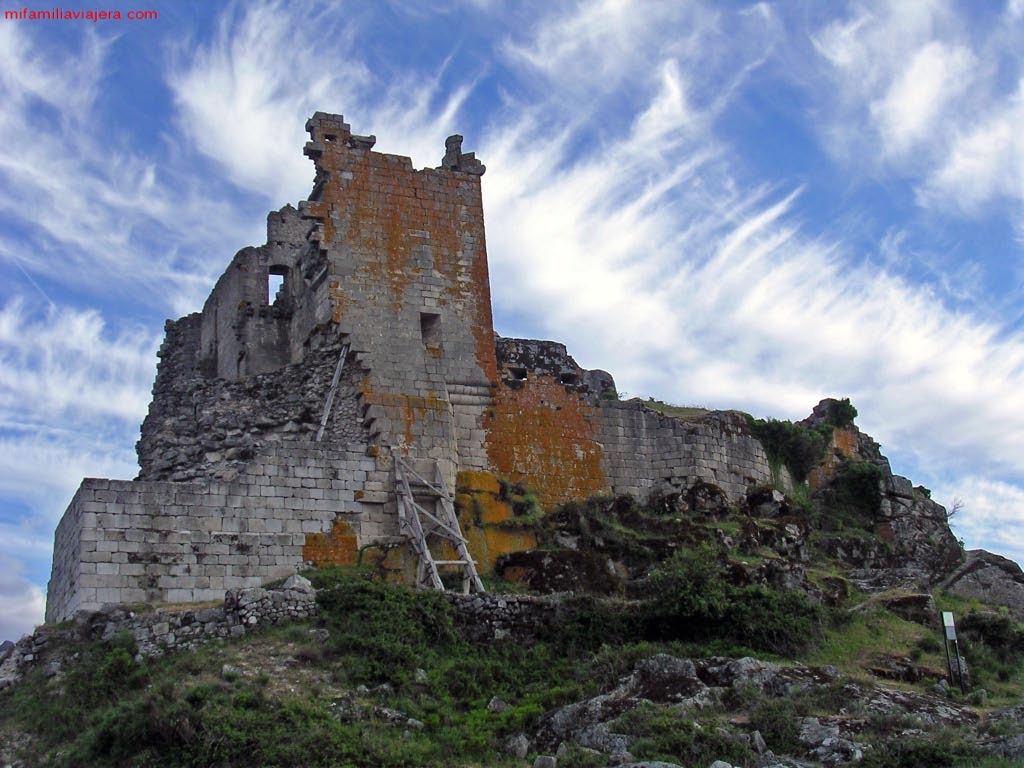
(991, 513)
(985, 162)
(242, 100)
(939, 90)
(96, 212)
(23, 602)
(63, 366)
(919, 96)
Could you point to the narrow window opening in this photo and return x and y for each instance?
(275, 282)
(519, 374)
(430, 329)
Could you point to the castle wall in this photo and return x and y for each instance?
(562, 430)
(646, 451)
(126, 541)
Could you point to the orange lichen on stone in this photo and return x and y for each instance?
(395, 565)
(841, 447)
(481, 514)
(545, 436)
(339, 547)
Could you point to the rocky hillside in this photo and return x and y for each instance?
(798, 628)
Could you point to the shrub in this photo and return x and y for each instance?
(526, 509)
(841, 413)
(690, 599)
(384, 629)
(794, 446)
(852, 498)
(944, 749)
(666, 733)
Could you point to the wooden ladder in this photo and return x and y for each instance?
(332, 391)
(417, 524)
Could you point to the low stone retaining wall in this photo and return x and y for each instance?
(160, 632)
(497, 617)
(476, 617)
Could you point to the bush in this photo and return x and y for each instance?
(385, 630)
(690, 599)
(853, 497)
(666, 734)
(841, 413)
(944, 749)
(791, 445)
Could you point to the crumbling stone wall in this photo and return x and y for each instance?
(200, 427)
(243, 329)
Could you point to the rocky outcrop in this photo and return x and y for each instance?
(683, 688)
(991, 579)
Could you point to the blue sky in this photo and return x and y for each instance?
(735, 205)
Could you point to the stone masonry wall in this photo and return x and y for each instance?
(562, 431)
(476, 618)
(646, 451)
(153, 541)
(407, 277)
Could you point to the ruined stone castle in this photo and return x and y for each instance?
(357, 341)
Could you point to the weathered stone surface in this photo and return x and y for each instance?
(919, 608)
(991, 579)
(685, 684)
(518, 746)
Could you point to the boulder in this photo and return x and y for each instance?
(991, 579)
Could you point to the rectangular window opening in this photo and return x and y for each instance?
(430, 329)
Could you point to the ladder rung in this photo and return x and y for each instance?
(443, 523)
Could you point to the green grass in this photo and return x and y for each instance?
(682, 412)
(868, 634)
(297, 699)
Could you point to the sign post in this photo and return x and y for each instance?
(949, 635)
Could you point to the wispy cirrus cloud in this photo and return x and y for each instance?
(940, 91)
(88, 203)
(275, 64)
(64, 363)
(71, 396)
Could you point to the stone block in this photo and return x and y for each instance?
(180, 595)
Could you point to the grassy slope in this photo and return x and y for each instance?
(392, 685)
